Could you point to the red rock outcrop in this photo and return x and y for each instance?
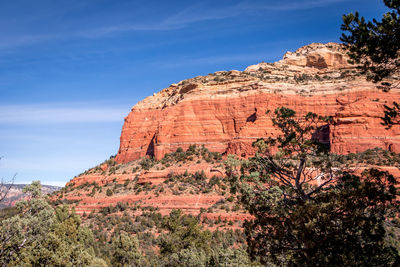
(226, 111)
(153, 176)
(165, 201)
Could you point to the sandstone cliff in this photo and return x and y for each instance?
(225, 111)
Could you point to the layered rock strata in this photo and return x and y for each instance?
(226, 111)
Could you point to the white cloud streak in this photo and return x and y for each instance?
(290, 6)
(48, 164)
(58, 114)
(30, 39)
(180, 20)
(197, 13)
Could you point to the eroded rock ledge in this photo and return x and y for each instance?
(225, 111)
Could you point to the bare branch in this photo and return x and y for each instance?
(5, 186)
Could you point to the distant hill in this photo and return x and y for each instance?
(16, 194)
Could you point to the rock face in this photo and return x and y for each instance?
(226, 111)
(189, 200)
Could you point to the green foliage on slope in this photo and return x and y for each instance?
(38, 235)
(307, 210)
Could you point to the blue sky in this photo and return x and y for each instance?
(71, 70)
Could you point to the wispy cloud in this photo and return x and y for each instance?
(301, 5)
(203, 12)
(116, 29)
(56, 114)
(50, 169)
(44, 164)
(194, 13)
(27, 39)
(30, 39)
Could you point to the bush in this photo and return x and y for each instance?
(109, 192)
(146, 163)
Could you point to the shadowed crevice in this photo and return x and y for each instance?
(323, 135)
(252, 117)
(150, 148)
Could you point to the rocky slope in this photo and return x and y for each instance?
(225, 111)
(189, 180)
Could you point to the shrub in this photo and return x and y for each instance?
(109, 192)
(146, 163)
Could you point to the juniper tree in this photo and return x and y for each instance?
(306, 209)
(375, 47)
(125, 250)
(38, 235)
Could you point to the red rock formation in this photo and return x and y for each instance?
(226, 111)
(165, 201)
(152, 176)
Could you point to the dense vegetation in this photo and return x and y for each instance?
(309, 208)
(172, 240)
(35, 233)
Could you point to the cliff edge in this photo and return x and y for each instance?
(225, 111)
